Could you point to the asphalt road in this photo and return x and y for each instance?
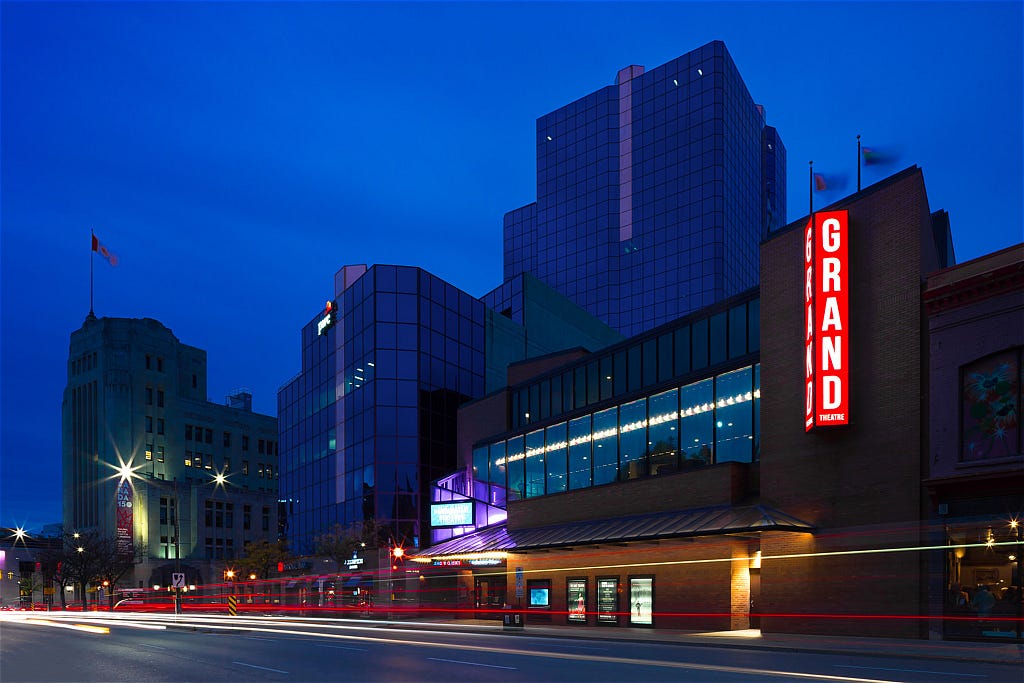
(257, 650)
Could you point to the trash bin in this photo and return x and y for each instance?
(513, 620)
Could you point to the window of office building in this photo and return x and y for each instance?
(662, 432)
(606, 446)
(515, 466)
(535, 463)
(555, 456)
(159, 453)
(580, 462)
(696, 426)
(159, 398)
(497, 464)
(159, 425)
(633, 439)
(734, 415)
(227, 439)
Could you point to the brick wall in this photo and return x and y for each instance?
(866, 475)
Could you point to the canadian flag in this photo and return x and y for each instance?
(103, 251)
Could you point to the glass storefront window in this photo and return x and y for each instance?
(633, 439)
(555, 457)
(696, 410)
(663, 432)
(734, 416)
(606, 446)
(579, 453)
(535, 463)
(984, 592)
(514, 466)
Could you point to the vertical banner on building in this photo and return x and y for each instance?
(125, 530)
(826, 315)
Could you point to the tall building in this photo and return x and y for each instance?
(136, 396)
(653, 194)
(370, 420)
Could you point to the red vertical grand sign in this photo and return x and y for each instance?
(826, 317)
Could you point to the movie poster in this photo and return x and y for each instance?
(576, 599)
(641, 601)
(608, 600)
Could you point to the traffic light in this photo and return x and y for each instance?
(280, 567)
(39, 566)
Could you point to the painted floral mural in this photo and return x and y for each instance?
(991, 407)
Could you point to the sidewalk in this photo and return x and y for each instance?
(988, 652)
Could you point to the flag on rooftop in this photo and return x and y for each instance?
(98, 247)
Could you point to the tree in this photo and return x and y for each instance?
(341, 541)
(29, 586)
(262, 556)
(87, 559)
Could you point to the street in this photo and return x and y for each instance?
(48, 647)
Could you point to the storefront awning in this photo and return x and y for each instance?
(710, 521)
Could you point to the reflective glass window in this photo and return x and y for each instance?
(535, 463)
(757, 412)
(682, 351)
(607, 386)
(619, 372)
(633, 439)
(665, 357)
(580, 386)
(555, 458)
(579, 453)
(737, 331)
(606, 446)
(663, 432)
(699, 345)
(634, 374)
(593, 386)
(497, 461)
(650, 353)
(514, 466)
(567, 392)
(719, 344)
(480, 466)
(734, 416)
(754, 325)
(696, 410)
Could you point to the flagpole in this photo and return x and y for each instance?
(810, 187)
(858, 162)
(92, 235)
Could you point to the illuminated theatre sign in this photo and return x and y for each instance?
(451, 514)
(826, 313)
(329, 318)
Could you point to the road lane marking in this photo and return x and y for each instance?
(269, 640)
(265, 668)
(457, 661)
(154, 647)
(916, 671)
(342, 647)
(793, 675)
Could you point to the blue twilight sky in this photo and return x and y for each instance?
(234, 155)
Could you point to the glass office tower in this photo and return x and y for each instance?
(653, 194)
(369, 422)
